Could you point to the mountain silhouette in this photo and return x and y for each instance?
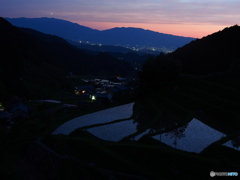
(32, 62)
(137, 36)
(25, 67)
(61, 28)
(214, 57)
(199, 80)
(214, 53)
(126, 37)
(74, 60)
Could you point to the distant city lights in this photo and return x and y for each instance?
(134, 47)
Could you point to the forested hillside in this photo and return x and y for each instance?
(200, 80)
(32, 63)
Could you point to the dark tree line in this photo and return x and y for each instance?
(159, 72)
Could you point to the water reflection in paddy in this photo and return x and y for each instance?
(103, 116)
(234, 143)
(193, 138)
(114, 132)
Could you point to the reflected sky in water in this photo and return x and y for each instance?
(193, 137)
(196, 137)
(103, 116)
(114, 132)
(234, 143)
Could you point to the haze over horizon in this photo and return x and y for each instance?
(178, 17)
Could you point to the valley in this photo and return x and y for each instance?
(77, 111)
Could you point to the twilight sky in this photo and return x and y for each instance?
(190, 18)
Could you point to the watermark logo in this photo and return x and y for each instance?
(212, 174)
(232, 174)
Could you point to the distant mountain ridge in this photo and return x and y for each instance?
(31, 62)
(215, 57)
(127, 37)
(58, 27)
(214, 53)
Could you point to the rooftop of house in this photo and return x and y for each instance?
(19, 106)
(5, 114)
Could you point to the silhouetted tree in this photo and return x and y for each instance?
(177, 134)
(159, 72)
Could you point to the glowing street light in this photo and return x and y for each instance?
(93, 98)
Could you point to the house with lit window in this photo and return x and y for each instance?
(84, 90)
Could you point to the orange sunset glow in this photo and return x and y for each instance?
(186, 30)
(178, 17)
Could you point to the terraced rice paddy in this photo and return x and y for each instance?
(115, 123)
